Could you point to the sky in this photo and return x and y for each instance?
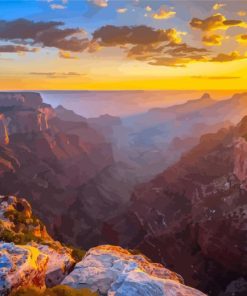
(123, 45)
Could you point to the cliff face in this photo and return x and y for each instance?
(4, 135)
(189, 214)
(44, 157)
(22, 113)
(20, 99)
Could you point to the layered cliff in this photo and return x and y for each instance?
(44, 157)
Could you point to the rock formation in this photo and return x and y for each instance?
(114, 271)
(21, 266)
(19, 226)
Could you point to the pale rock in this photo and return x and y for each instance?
(114, 271)
(21, 266)
(60, 263)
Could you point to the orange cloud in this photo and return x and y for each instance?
(212, 40)
(122, 10)
(163, 13)
(218, 6)
(100, 3)
(242, 38)
(242, 13)
(216, 22)
(67, 55)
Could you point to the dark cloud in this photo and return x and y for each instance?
(185, 50)
(228, 57)
(16, 49)
(135, 35)
(45, 34)
(176, 55)
(170, 61)
(215, 22)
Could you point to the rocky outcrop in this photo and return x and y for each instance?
(59, 265)
(19, 225)
(26, 121)
(21, 266)
(22, 113)
(17, 99)
(68, 115)
(114, 271)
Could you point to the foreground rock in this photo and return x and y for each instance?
(21, 266)
(114, 271)
(18, 225)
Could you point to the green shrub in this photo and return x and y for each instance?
(55, 291)
(16, 217)
(77, 254)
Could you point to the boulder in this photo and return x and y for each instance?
(21, 266)
(60, 263)
(114, 271)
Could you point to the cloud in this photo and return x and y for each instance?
(216, 77)
(56, 74)
(142, 35)
(154, 46)
(16, 49)
(100, 3)
(67, 55)
(185, 50)
(242, 13)
(242, 38)
(57, 6)
(93, 47)
(218, 6)
(163, 13)
(181, 60)
(44, 34)
(215, 22)
(212, 40)
(171, 61)
(228, 57)
(122, 10)
(171, 55)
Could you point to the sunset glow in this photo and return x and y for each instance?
(118, 45)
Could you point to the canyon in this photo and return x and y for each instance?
(169, 183)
